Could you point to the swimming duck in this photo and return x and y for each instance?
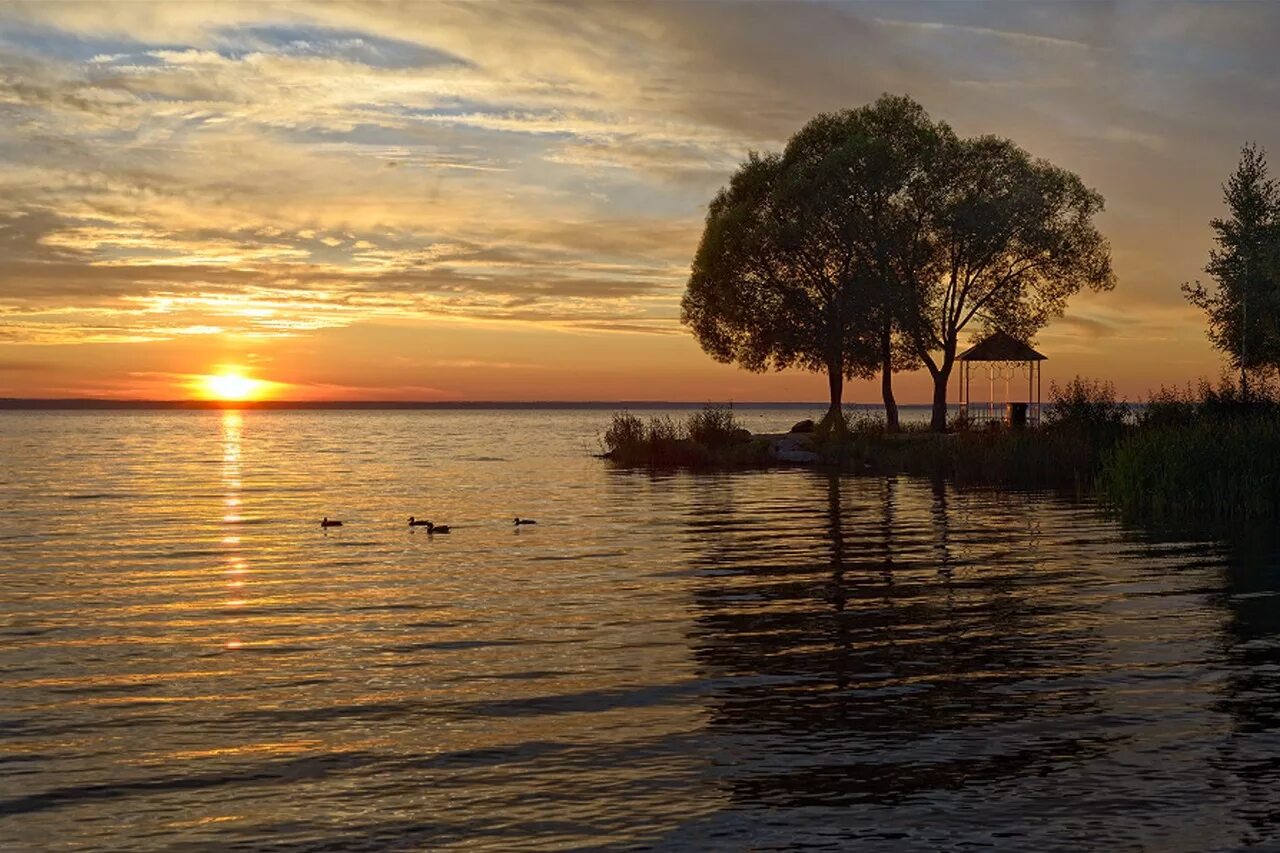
(325, 522)
(437, 528)
(520, 521)
(415, 522)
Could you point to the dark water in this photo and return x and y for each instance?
(748, 661)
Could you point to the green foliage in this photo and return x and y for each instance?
(1087, 405)
(1199, 455)
(1209, 470)
(1243, 309)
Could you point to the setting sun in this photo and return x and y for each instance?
(230, 385)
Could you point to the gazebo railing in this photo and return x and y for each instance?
(1008, 412)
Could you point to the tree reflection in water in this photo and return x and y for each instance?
(890, 657)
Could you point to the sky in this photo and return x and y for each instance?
(484, 201)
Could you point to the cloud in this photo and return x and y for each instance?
(173, 171)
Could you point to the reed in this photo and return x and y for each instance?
(710, 438)
(1197, 467)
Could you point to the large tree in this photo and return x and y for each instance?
(796, 263)
(1244, 308)
(776, 282)
(877, 237)
(875, 166)
(1009, 239)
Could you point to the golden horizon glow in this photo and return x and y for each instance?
(231, 385)
(437, 202)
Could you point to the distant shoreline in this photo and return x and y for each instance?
(78, 403)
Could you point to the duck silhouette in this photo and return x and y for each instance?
(327, 522)
(417, 522)
(520, 521)
(437, 528)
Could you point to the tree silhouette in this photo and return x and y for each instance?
(1012, 239)
(776, 282)
(876, 238)
(1244, 307)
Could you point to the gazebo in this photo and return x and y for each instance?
(1001, 356)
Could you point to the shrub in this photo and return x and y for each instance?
(625, 432)
(1088, 404)
(662, 430)
(1169, 407)
(715, 427)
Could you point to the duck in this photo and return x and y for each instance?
(417, 522)
(520, 521)
(325, 522)
(437, 528)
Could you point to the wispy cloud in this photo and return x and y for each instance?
(189, 171)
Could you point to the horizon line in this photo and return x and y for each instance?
(128, 403)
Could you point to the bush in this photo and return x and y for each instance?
(712, 438)
(662, 430)
(625, 431)
(1169, 407)
(1087, 404)
(715, 427)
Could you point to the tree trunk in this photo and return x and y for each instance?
(938, 423)
(835, 378)
(886, 380)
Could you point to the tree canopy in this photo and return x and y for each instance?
(1243, 309)
(1011, 238)
(877, 237)
(794, 265)
(776, 282)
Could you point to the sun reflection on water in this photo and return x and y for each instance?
(232, 425)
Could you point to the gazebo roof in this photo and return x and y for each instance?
(1000, 346)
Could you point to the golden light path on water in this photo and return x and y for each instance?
(768, 659)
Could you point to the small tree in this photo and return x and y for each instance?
(1244, 307)
(1012, 238)
(776, 281)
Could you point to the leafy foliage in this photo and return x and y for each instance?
(1012, 239)
(715, 427)
(790, 271)
(1088, 404)
(1243, 309)
(878, 236)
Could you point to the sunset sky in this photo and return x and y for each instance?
(500, 201)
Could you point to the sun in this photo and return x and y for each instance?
(231, 385)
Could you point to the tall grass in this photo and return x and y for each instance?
(1208, 471)
(1201, 455)
(710, 438)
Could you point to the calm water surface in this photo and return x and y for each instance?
(756, 660)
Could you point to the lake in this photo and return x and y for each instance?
(760, 660)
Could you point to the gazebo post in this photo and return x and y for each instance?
(1038, 370)
(1031, 373)
(991, 395)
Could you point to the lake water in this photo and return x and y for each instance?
(738, 661)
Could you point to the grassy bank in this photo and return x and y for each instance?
(706, 440)
(1201, 455)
